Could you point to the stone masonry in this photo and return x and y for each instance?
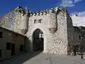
(55, 24)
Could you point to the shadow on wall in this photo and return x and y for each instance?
(20, 59)
(27, 45)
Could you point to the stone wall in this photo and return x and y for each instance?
(56, 42)
(14, 20)
(55, 24)
(70, 31)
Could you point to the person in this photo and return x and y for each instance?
(81, 51)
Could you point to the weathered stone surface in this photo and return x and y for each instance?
(56, 27)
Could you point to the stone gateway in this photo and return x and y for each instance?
(49, 31)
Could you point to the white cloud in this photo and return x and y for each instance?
(69, 3)
(78, 20)
(79, 13)
(66, 3)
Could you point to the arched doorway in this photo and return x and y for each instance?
(38, 40)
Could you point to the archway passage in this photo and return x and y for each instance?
(38, 40)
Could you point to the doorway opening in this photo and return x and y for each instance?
(13, 49)
(38, 40)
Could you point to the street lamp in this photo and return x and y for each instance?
(81, 47)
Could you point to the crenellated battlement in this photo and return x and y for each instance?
(21, 10)
(38, 13)
(44, 12)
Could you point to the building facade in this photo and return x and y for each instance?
(50, 31)
(11, 43)
(79, 39)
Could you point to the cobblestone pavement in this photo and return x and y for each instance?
(43, 58)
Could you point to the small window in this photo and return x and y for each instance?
(14, 35)
(0, 53)
(8, 46)
(79, 36)
(21, 48)
(0, 34)
(35, 21)
(40, 20)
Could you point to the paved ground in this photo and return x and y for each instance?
(42, 58)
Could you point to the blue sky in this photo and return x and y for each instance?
(73, 6)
